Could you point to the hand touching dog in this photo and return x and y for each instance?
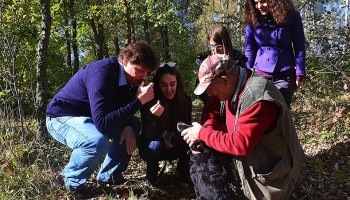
(190, 135)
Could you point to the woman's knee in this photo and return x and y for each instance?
(152, 152)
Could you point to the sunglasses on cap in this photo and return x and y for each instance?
(168, 64)
(214, 47)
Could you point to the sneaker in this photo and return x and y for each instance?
(58, 181)
(114, 182)
(80, 192)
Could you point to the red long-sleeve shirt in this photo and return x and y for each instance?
(260, 118)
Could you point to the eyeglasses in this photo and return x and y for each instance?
(214, 47)
(168, 64)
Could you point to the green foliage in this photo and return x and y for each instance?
(320, 108)
(224, 12)
(25, 161)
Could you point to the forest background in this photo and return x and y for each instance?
(43, 43)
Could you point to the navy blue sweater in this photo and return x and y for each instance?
(98, 90)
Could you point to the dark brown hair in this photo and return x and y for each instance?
(181, 98)
(140, 53)
(230, 65)
(220, 35)
(280, 11)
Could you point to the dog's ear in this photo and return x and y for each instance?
(200, 147)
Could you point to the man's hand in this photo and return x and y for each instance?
(129, 137)
(190, 135)
(157, 109)
(145, 93)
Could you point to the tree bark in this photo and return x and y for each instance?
(146, 26)
(103, 40)
(115, 31)
(74, 36)
(67, 34)
(98, 35)
(68, 44)
(42, 54)
(146, 31)
(116, 45)
(128, 23)
(165, 41)
(75, 45)
(97, 39)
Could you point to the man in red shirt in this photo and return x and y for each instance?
(260, 132)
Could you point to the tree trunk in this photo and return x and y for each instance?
(103, 40)
(116, 45)
(133, 35)
(42, 53)
(68, 44)
(75, 45)
(74, 36)
(98, 35)
(115, 37)
(97, 39)
(146, 31)
(165, 41)
(67, 34)
(128, 23)
(146, 27)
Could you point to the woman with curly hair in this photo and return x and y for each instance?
(275, 43)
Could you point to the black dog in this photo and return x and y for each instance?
(210, 171)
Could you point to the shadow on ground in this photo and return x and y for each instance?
(327, 174)
(326, 177)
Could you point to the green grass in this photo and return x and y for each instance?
(28, 165)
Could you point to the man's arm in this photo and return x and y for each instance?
(257, 120)
(108, 112)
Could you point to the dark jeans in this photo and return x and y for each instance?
(286, 85)
(154, 151)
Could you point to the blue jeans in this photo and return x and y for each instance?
(153, 151)
(89, 148)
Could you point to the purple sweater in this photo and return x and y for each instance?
(277, 50)
(98, 90)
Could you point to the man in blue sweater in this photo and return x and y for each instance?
(98, 104)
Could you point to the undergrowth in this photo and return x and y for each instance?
(28, 164)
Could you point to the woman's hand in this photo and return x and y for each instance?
(157, 109)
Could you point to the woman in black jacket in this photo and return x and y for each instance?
(159, 139)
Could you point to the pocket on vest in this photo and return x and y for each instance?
(278, 177)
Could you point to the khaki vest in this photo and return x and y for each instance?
(273, 167)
